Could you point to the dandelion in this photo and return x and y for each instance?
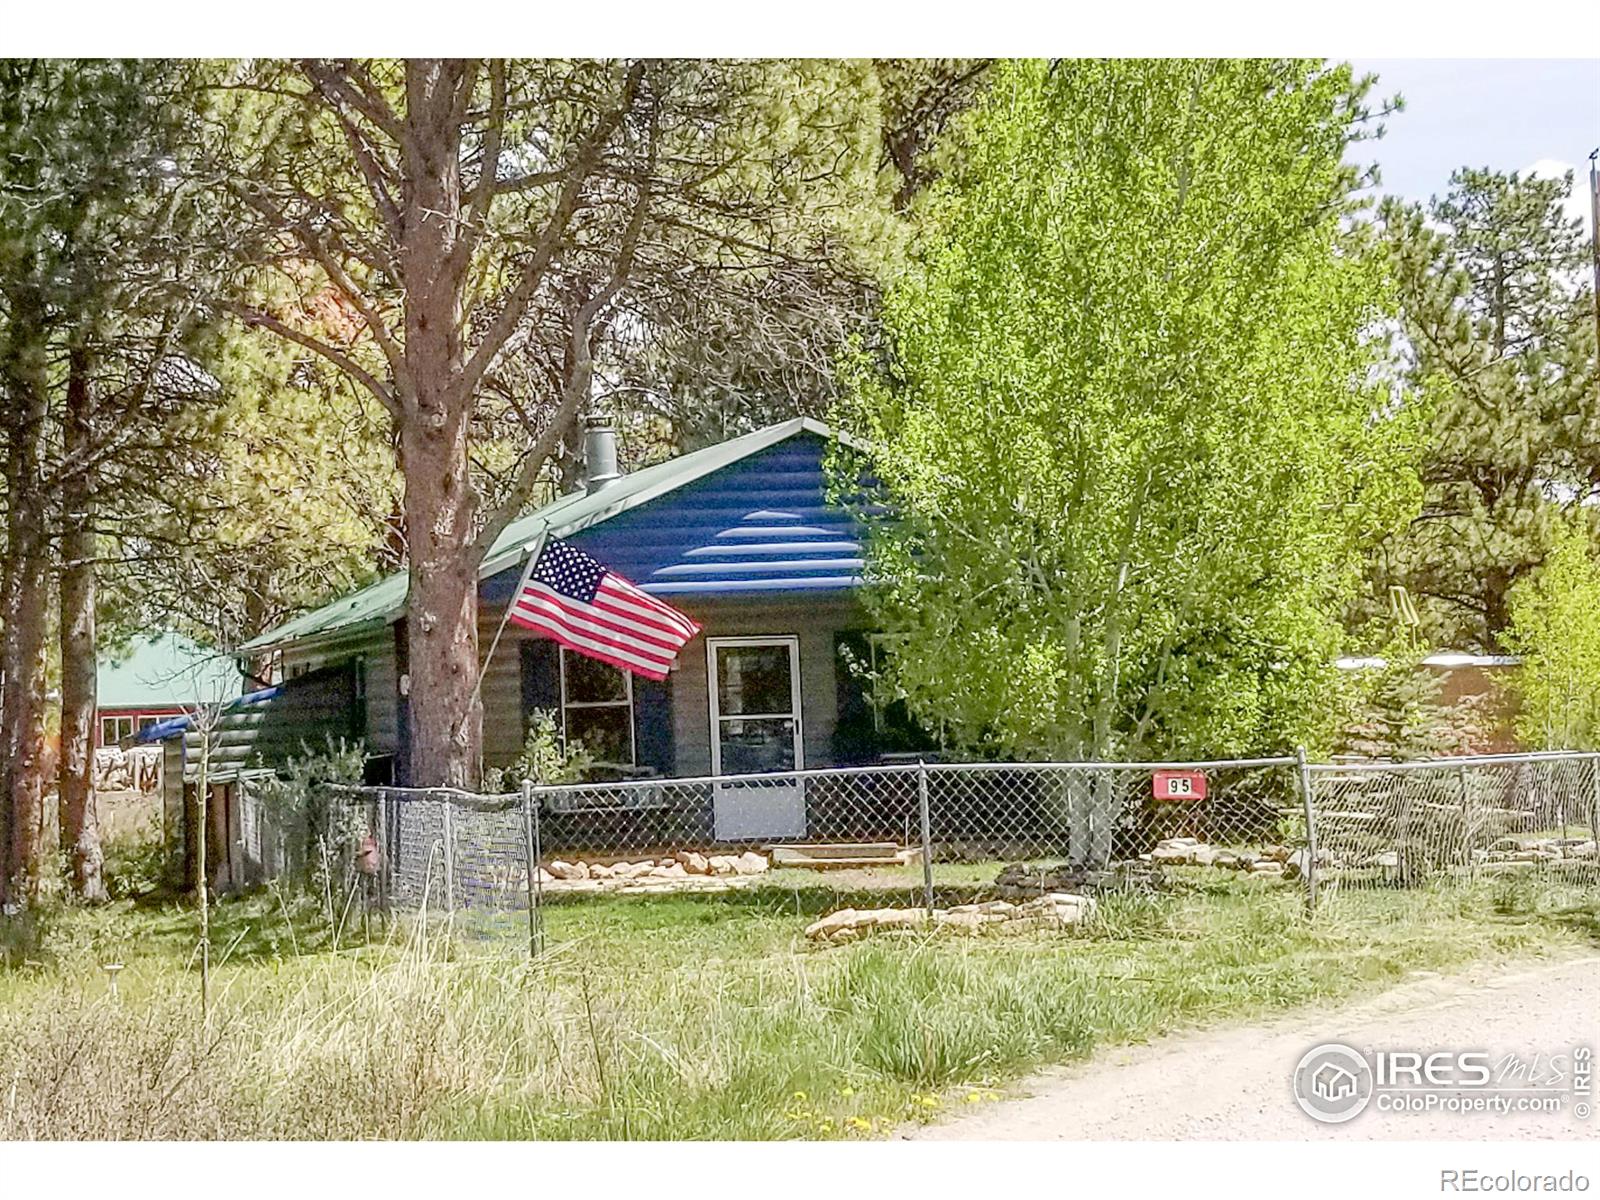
(859, 1123)
(929, 1102)
(849, 1091)
(800, 1096)
(973, 1097)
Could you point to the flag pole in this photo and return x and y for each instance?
(534, 549)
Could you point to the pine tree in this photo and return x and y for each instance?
(1498, 325)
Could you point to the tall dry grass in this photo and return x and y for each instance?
(610, 1037)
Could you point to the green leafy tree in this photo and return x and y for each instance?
(1555, 627)
(1498, 325)
(1126, 436)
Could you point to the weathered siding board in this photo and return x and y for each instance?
(383, 699)
(303, 715)
(375, 648)
(502, 689)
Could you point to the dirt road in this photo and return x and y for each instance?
(1235, 1083)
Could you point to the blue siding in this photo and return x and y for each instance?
(758, 527)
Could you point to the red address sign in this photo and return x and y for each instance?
(1180, 785)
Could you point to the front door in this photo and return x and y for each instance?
(755, 730)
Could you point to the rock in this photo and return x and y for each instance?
(695, 864)
(543, 876)
(599, 871)
(1225, 858)
(896, 918)
(1268, 869)
(722, 864)
(570, 871)
(1177, 855)
(1296, 865)
(1278, 854)
(989, 908)
(1204, 856)
(832, 923)
(750, 863)
(673, 870)
(848, 923)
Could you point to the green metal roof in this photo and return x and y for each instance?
(164, 670)
(383, 602)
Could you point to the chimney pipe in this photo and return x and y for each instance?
(599, 453)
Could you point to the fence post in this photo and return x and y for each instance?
(1466, 823)
(927, 837)
(530, 842)
(449, 858)
(1594, 807)
(1311, 829)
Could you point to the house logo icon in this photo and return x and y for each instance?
(1332, 1083)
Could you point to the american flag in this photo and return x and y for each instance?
(592, 610)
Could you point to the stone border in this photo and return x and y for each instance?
(1054, 911)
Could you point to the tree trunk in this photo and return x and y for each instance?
(446, 717)
(25, 653)
(80, 829)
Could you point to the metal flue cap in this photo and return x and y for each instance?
(599, 453)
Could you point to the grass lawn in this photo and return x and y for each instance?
(692, 1016)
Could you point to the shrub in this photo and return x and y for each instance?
(135, 865)
(546, 758)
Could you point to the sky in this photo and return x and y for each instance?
(1508, 114)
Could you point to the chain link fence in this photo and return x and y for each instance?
(1403, 824)
(941, 835)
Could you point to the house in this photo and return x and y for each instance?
(741, 536)
(155, 677)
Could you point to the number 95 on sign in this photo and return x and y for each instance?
(1180, 785)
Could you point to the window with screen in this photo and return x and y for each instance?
(597, 708)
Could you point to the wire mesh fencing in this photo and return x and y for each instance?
(1403, 824)
(952, 835)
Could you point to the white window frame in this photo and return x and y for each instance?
(118, 722)
(627, 700)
